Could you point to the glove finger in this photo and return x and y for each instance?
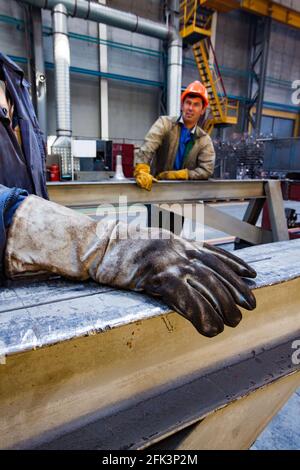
(143, 182)
(237, 287)
(188, 302)
(238, 265)
(216, 294)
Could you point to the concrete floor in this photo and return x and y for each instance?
(283, 432)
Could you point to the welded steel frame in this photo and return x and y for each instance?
(259, 40)
(190, 193)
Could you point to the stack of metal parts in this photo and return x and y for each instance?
(239, 158)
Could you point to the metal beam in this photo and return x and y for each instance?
(76, 194)
(211, 217)
(276, 211)
(216, 431)
(253, 211)
(204, 399)
(275, 10)
(251, 216)
(233, 226)
(122, 362)
(259, 38)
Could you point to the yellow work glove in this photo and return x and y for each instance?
(174, 175)
(143, 177)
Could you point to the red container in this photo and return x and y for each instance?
(127, 152)
(54, 173)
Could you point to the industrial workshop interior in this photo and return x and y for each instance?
(149, 228)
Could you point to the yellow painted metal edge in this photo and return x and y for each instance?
(297, 126)
(45, 388)
(191, 29)
(276, 11)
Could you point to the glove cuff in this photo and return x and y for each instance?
(46, 237)
(183, 174)
(141, 168)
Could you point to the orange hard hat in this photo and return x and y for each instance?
(198, 89)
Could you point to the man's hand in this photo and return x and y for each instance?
(174, 175)
(202, 283)
(143, 177)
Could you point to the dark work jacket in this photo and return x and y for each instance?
(23, 169)
(10, 198)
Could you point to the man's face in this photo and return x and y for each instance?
(192, 110)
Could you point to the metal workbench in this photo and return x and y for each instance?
(188, 195)
(86, 367)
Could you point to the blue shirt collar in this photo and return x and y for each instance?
(193, 130)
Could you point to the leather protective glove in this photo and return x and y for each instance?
(202, 283)
(143, 177)
(174, 175)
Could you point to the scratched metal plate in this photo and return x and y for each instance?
(36, 314)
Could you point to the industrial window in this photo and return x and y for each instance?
(278, 127)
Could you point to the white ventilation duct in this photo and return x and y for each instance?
(94, 11)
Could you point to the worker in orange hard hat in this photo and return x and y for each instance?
(196, 89)
(176, 148)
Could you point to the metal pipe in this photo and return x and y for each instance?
(174, 61)
(103, 82)
(40, 74)
(102, 14)
(174, 76)
(61, 52)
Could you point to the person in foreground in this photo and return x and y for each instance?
(203, 284)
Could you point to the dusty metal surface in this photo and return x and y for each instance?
(38, 314)
(122, 371)
(274, 263)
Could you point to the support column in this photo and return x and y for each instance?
(259, 39)
(103, 67)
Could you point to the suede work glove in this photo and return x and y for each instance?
(174, 175)
(143, 177)
(202, 283)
